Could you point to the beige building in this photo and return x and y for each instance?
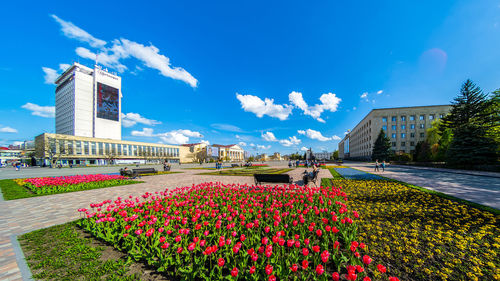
(197, 152)
(276, 156)
(405, 127)
(232, 152)
(77, 150)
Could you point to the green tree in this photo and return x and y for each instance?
(382, 147)
(422, 152)
(335, 155)
(470, 120)
(439, 139)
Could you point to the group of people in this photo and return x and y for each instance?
(166, 166)
(379, 165)
(218, 165)
(307, 163)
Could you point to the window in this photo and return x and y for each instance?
(62, 150)
(412, 117)
(393, 118)
(85, 148)
(113, 148)
(393, 144)
(422, 135)
(394, 127)
(403, 127)
(119, 149)
(384, 119)
(441, 115)
(412, 126)
(384, 127)
(101, 150)
(431, 117)
(412, 135)
(403, 118)
(422, 126)
(403, 143)
(393, 136)
(70, 148)
(403, 135)
(412, 143)
(422, 117)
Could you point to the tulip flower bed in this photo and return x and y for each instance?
(424, 236)
(50, 185)
(213, 231)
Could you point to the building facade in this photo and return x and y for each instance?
(404, 126)
(88, 103)
(61, 149)
(232, 152)
(322, 155)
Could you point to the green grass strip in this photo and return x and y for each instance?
(11, 190)
(62, 252)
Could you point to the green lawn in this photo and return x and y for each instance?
(11, 190)
(65, 252)
(250, 171)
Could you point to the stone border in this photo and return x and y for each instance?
(20, 258)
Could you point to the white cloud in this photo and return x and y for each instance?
(226, 127)
(329, 102)
(205, 142)
(364, 95)
(105, 58)
(252, 144)
(64, 66)
(7, 130)
(151, 57)
(42, 111)
(242, 143)
(146, 132)
(130, 119)
(50, 75)
(172, 137)
(263, 147)
(261, 107)
(269, 136)
(123, 48)
(291, 141)
(72, 31)
(316, 135)
(304, 148)
(380, 92)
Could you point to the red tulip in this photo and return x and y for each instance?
(305, 264)
(221, 262)
(320, 269)
(234, 272)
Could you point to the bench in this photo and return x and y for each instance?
(235, 165)
(137, 172)
(283, 178)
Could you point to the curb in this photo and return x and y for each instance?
(20, 258)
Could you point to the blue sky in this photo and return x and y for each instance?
(202, 71)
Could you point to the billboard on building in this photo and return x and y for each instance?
(108, 102)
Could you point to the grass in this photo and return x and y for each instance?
(11, 190)
(64, 252)
(250, 171)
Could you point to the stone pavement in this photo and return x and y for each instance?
(29, 214)
(475, 187)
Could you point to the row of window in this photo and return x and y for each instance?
(69, 147)
(403, 127)
(412, 143)
(412, 117)
(403, 135)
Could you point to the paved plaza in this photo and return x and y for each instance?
(478, 187)
(29, 214)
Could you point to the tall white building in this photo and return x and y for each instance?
(88, 103)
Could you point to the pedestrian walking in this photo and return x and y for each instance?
(376, 165)
(290, 164)
(383, 166)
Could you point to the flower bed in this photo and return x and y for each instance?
(48, 185)
(213, 231)
(259, 165)
(424, 236)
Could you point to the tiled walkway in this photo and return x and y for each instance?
(25, 215)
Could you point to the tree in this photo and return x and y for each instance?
(439, 139)
(471, 119)
(382, 147)
(335, 155)
(422, 152)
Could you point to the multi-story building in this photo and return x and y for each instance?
(405, 127)
(322, 155)
(88, 103)
(55, 149)
(276, 156)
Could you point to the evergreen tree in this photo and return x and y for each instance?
(470, 119)
(422, 152)
(382, 147)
